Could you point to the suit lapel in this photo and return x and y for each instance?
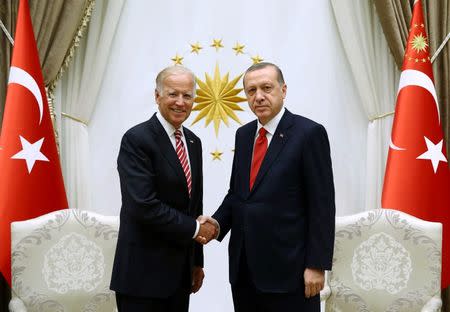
(166, 147)
(279, 138)
(247, 153)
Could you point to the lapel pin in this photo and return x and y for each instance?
(192, 141)
(281, 135)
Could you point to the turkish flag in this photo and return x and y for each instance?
(31, 182)
(417, 179)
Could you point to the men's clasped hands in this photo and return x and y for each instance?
(209, 230)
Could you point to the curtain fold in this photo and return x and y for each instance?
(438, 26)
(394, 16)
(376, 76)
(8, 15)
(55, 23)
(77, 93)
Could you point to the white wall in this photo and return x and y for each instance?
(299, 36)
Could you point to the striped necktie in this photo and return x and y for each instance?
(182, 156)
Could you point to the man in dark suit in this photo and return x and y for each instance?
(158, 263)
(280, 205)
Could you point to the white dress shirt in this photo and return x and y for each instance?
(270, 127)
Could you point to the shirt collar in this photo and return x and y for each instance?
(170, 130)
(272, 125)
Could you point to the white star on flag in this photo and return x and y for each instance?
(434, 153)
(31, 152)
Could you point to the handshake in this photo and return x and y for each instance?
(209, 229)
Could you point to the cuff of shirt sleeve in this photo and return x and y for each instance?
(197, 228)
(218, 229)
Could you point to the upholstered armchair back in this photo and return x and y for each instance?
(62, 261)
(385, 260)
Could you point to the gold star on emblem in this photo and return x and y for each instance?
(239, 48)
(196, 47)
(216, 155)
(217, 43)
(419, 43)
(177, 60)
(257, 59)
(217, 99)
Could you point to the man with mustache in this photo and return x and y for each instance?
(280, 206)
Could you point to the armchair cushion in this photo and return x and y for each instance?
(385, 260)
(62, 261)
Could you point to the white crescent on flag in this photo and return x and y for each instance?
(411, 77)
(21, 77)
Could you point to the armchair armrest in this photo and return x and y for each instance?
(16, 305)
(325, 293)
(433, 305)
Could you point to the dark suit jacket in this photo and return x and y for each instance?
(286, 222)
(157, 218)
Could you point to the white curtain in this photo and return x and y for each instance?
(376, 78)
(77, 94)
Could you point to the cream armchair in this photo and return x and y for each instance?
(62, 261)
(385, 260)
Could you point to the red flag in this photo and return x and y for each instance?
(417, 179)
(31, 182)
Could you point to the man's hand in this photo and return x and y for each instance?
(314, 281)
(207, 232)
(204, 219)
(197, 279)
(209, 220)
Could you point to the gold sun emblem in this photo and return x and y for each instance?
(419, 43)
(217, 99)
